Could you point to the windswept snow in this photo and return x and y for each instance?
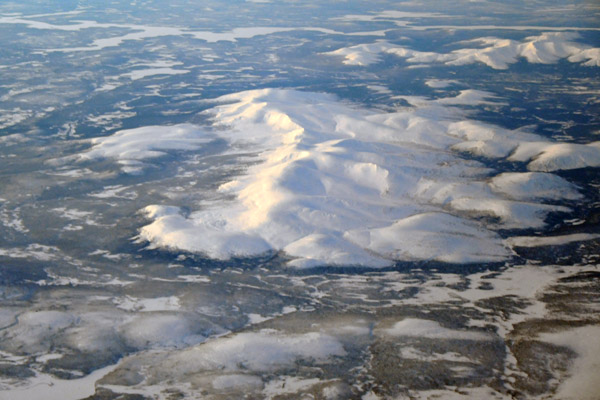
(585, 341)
(497, 53)
(534, 185)
(331, 184)
(422, 328)
(265, 350)
(533, 241)
(131, 146)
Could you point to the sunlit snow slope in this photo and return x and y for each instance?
(547, 48)
(332, 184)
